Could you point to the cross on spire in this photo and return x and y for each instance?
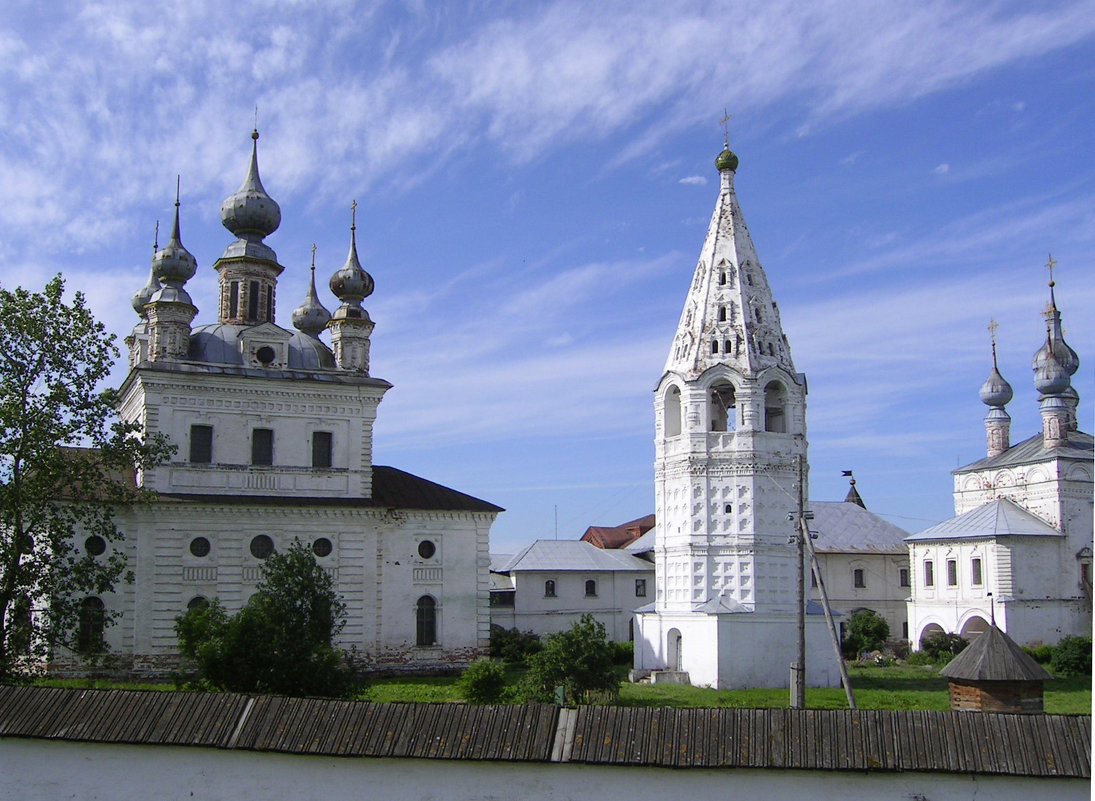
(725, 121)
(993, 325)
(313, 257)
(353, 216)
(1050, 264)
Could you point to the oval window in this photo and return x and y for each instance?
(322, 547)
(265, 354)
(199, 546)
(426, 549)
(95, 545)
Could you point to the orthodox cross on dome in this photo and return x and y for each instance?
(725, 127)
(313, 257)
(1051, 307)
(353, 215)
(156, 239)
(1050, 264)
(993, 325)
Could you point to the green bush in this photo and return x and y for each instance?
(866, 631)
(920, 658)
(483, 681)
(623, 653)
(943, 647)
(281, 640)
(512, 646)
(1042, 654)
(1072, 657)
(580, 660)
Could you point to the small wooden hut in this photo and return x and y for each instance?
(994, 674)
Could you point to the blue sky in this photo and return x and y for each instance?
(534, 183)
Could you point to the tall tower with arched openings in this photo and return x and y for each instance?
(730, 445)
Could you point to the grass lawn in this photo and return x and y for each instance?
(894, 687)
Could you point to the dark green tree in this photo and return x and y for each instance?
(580, 660)
(282, 641)
(67, 464)
(866, 631)
(483, 681)
(1072, 657)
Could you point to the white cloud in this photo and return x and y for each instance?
(694, 180)
(942, 169)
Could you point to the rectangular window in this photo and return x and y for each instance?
(253, 301)
(903, 576)
(975, 571)
(929, 574)
(233, 299)
(321, 449)
(503, 598)
(952, 572)
(201, 444)
(262, 446)
(640, 588)
(270, 306)
(859, 581)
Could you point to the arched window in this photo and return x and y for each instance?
(722, 314)
(591, 588)
(197, 602)
(425, 615)
(549, 588)
(774, 413)
(714, 346)
(673, 411)
(723, 407)
(89, 636)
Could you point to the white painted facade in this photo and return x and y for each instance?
(274, 433)
(551, 588)
(138, 773)
(1020, 545)
(730, 446)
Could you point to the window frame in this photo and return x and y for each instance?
(323, 450)
(262, 455)
(591, 588)
(640, 588)
(929, 573)
(977, 571)
(201, 446)
(425, 622)
(859, 578)
(952, 572)
(550, 589)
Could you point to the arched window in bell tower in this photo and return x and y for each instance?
(672, 412)
(775, 402)
(723, 411)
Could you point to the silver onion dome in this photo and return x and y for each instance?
(173, 263)
(250, 209)
(311, 316)
(143, 295)
(1051, 378)
(351, 284)
(996, 391)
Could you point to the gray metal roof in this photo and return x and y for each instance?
(1000, 518)
(814, 739)
(1030, 451)
(994, 656)
(568, 555)
(849, 528)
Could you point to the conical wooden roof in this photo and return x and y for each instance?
(994, 656)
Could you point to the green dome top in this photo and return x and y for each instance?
(726, 160)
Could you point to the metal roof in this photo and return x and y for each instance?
(568, 555)
(812, 739)
(849, 528)
(1029, 451)
(392, 488)
(1000, 518)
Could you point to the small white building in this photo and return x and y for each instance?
(274, 431)
(550, 584)
(864, 562)
(1019, 549)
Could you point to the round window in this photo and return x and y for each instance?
(322, 547)
(95, 545)
(426, 549)
(197, 602)
(199, 546)
(265, 354)
(262, 546)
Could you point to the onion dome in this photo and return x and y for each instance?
(250, 209)
(1066, 356)
(351, 284)
(1051, 378)
(726, 160)
(173, 263)
(311, 317)
(996, 391)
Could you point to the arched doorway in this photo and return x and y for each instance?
(673, 649)
(929, 630)
(974, 627)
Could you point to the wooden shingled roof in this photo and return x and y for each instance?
(994, 656)
(813, 739)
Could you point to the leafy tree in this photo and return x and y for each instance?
(66, 465)
(580, 660)
(483, 681)
(1072, 656)
(512, 645)
(866, 631)
(281, 641)
(943, 647)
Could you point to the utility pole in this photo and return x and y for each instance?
(798, 668)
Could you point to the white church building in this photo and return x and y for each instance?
(274, 430)
(730, 447)
(1018, 550)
